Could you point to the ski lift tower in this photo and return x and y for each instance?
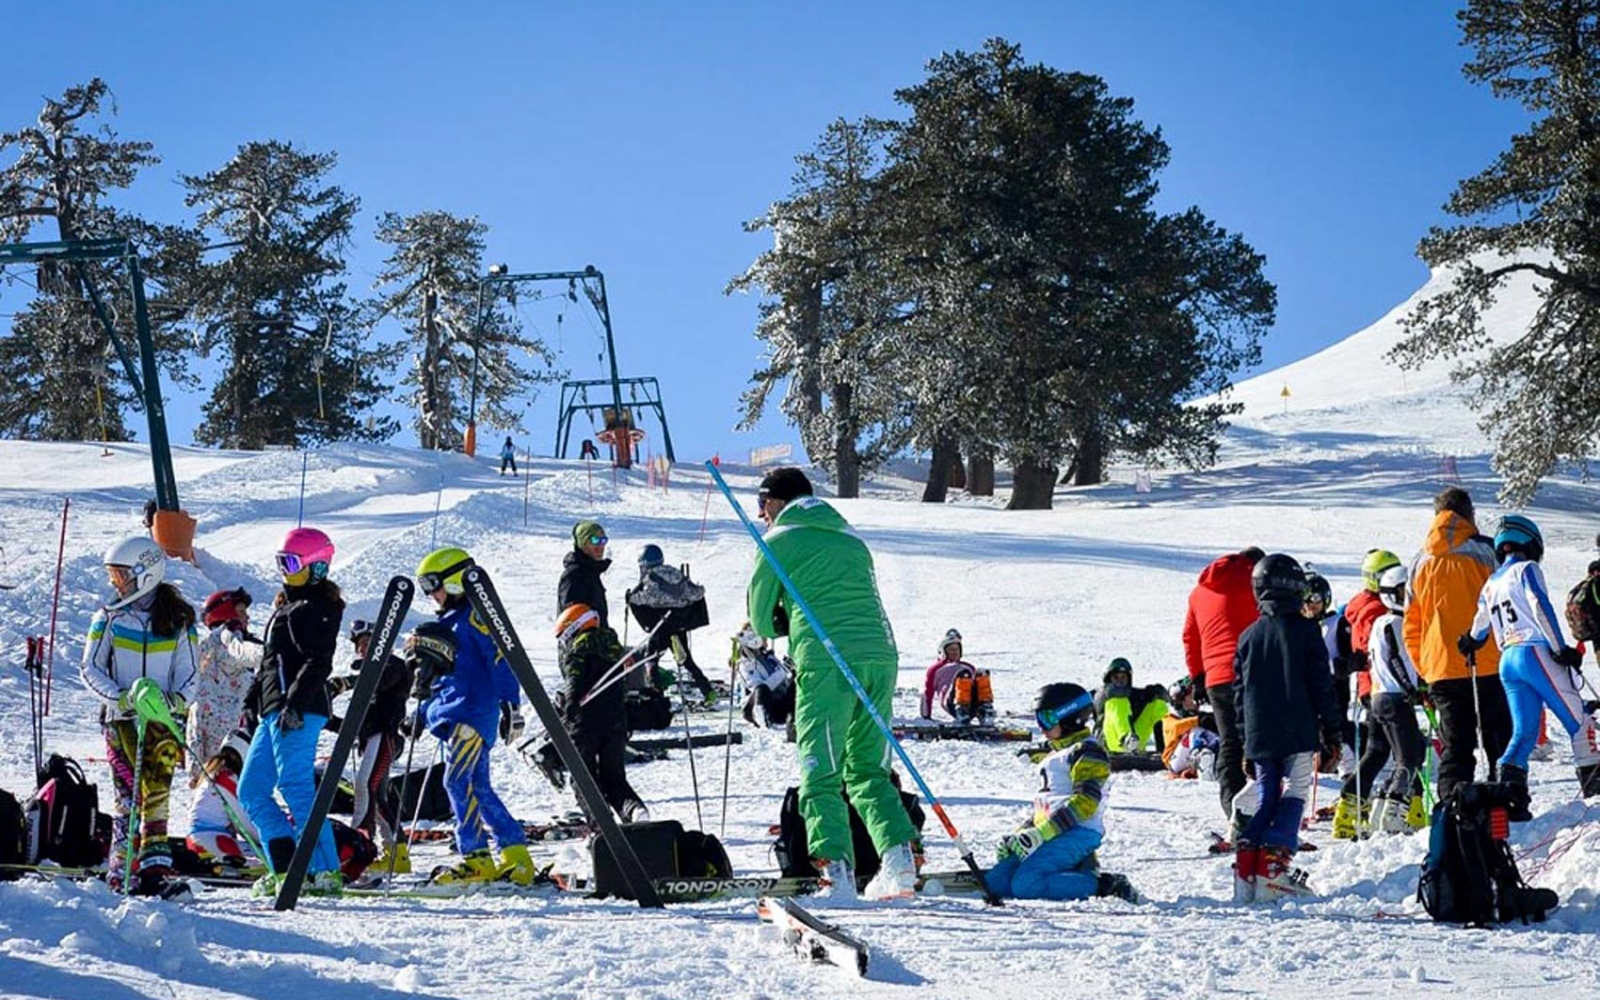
(619, 431)
(172, 528)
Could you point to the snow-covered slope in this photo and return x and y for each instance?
(1040, 596)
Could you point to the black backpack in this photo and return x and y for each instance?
(793, 852)
(648, 710)
(665, 850)
(13, 836)
(65, 824)
(1469, 876)
(1583, 607)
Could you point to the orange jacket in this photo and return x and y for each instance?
(1221, 606)
(1445, 579)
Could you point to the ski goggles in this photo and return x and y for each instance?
(359, 629)
(429, 582)
(1049, 718)
(122, 577)
(289, 564)
(597, 540)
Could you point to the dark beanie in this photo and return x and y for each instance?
(785, 484)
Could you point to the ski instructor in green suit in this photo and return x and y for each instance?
(839, 745)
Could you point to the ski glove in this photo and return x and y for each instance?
(1022, 843)
(511, 721)
(289, 720)
(339, 684)
(1467, 645)
(1569, 656)
(1357, 662)
(1201, 695)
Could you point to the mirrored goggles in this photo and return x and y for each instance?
(289, 564)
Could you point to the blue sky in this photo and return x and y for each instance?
(640, 137)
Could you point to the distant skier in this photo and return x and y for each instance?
(147, 631)
(1537, 667)
(964, 692)
(1052, 854)
(1284, 692)
(508, 457)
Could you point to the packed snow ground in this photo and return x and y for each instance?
(1040, 596)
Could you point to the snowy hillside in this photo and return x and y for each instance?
(1040, 596)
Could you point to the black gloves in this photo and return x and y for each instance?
(1467, 645)
(1357, 661)
(1569, 656)
(511, 722)
(340, 683)
(1201, 695)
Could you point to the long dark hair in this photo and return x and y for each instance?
(324, 590)
(170, 614)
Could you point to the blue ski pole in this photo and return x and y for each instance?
(855, 685)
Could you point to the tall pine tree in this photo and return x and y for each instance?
(59, 186)
(296, 369)
(431, 281)
(1535, 210)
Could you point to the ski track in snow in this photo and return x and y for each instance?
(1039, 596)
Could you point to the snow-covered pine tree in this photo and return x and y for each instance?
(275, 306)
(1536, 209)
(430, 281)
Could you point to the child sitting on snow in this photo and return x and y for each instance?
(960, 689)
(767, 681)
(1284, 690)
(214, 833)
(1052, 856)
(1188, 740)
(1127, 715)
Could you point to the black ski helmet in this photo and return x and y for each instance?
(1278, 578)
(1317, 586)
(651, 557)
(1063, 703)
(1119, 665)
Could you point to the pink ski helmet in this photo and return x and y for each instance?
(305, 551)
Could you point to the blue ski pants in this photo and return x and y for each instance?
(1533, 680)
(1063, 867)
(478, 810)
(1282, 784)
(286, 762)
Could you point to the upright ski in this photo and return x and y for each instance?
(486, 603)
(812, 938)
(391, 616)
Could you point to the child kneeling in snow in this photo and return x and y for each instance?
(1053, 855)
(1284, 691)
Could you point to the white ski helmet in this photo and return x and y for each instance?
(1392, 588)
(145, 563)
(950, 637)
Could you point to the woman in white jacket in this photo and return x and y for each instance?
(147, 631)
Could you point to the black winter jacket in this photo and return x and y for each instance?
(581, 584)
(387, 712)
(1283, 685)
(300, 639)
(583, 663)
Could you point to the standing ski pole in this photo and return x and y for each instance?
(1477, 715)
(416, 811)
(727, 763)
(300, 515)
(134, 841)
(55, 605)
(855, 684)
(688, 743)
(34, 665)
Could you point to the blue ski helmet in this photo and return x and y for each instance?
(1518, 534)
(651, 557)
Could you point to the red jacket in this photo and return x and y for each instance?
(1221, 607)
(1363, 609)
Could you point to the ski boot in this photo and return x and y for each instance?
(838, 886)
(329, 883)
(1516, 780)
(1246, 870)
(1416, 814)
(477, 866)
(267, 886)
(516, 866)
(1349, 823)
(1118, 886)
(1277, 878)
(153, 880)
(399, 855)
(897, 877)
(1387, 817)
(280, 853)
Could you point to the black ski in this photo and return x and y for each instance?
(812, 938)
(391, 616)
(490, 611)
(648, 744)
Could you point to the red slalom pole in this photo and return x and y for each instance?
(55, 605)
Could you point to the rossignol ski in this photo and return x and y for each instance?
(492, 613)
(391, 616)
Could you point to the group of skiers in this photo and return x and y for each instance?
(1467, 634)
